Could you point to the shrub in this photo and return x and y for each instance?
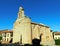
(57, 41)
(0, 38)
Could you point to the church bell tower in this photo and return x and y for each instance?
(21, 12)
(22, 28)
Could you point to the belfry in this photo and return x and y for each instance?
(24, 30)
(21, 12)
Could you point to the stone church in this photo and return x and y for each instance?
(24, 30)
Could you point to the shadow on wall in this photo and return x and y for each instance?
(11, 41)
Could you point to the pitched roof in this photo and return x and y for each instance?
(57, 33)
(5, 31)
(39, 24)
(0, 32)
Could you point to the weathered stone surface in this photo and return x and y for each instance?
(24, 31)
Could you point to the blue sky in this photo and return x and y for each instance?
(40, 11)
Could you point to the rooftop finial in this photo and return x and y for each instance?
(21, 8)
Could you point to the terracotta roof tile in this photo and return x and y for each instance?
(5, 31)
(57, 33)
(39, 24)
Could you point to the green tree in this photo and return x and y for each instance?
(57, 41)
(0, 39)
